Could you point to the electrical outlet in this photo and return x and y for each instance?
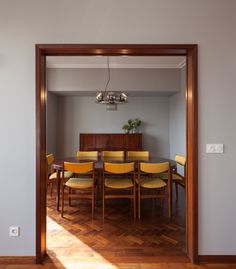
(14, 231)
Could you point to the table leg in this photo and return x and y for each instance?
(171, 194)
(58, 190)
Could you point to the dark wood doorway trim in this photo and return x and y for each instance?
(190, 51)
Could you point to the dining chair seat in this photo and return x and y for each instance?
(67, 175)
(152, 182)
(118, 183)
(164, 176)
(79, 183)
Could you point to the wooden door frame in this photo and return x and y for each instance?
(188, 50)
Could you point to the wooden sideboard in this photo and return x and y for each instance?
(102, 142)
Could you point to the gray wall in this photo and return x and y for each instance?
(51, 127)
(73, 80)
(177, 120)
(82, 115)
(211, 24)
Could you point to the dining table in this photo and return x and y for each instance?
(98, 165)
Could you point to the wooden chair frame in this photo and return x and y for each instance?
(131, 196)
(181, 182)
(85, 195)
(161, 195)
(49, 162)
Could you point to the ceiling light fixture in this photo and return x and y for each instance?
(110, 97)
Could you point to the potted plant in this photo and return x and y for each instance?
(132, 125)
(135, 124)
(126, 127)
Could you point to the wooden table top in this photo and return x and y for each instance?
(100, 160)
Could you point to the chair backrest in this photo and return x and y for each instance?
(118, 168)
(111, 154)
(87, 154)
(180, 160)
(138, 154)
(154, 168)
(50, 159)
(79, 168)
(181, 166)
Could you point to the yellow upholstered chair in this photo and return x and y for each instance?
(177, 178)
(113, 154)
(84, 181)
(51, 174)
(153, 183)
(88, 155)
(138, 154)
(119, 176)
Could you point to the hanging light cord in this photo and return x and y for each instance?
(113, 97)
(109, 75)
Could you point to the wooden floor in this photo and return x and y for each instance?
(75, 265)
(77, 242)
(119, 238)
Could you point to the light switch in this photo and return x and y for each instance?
(214, 148)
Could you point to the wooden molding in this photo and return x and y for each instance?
(40, 155)
(192, 156)
(188, 50)
(17, 260)
(217, 259)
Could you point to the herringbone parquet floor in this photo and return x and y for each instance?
(77, 242)
(119, 238)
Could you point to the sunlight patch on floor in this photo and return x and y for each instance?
(70, 251)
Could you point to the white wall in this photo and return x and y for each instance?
(177, 120)
(211, 24)
(82, 115)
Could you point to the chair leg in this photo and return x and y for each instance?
(62, 202)
(139, 197)
(92, 202)
(103, 203)
(169, 205)
(51, 188)
(70, 192)
(131, 200)
(95, 195)
(176, 191)
(134, 202)
(162, 191)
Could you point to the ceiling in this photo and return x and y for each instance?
(116, 61)
(95, 62)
